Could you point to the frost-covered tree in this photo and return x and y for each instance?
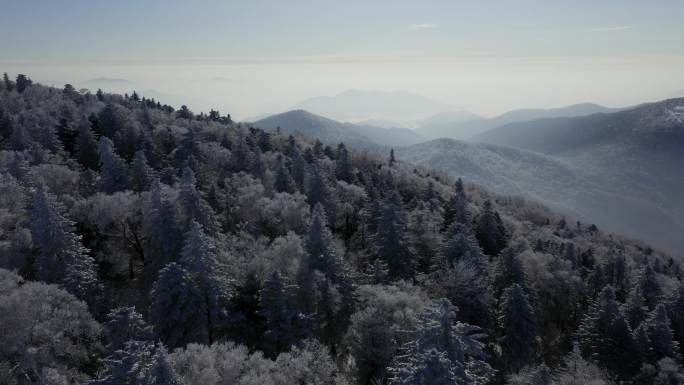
(460, 245)
(343, 167)
(655, 337)
(319, 190)
(442, 345)
(199, 259)
(161, 371)
(141, 173)
(391, 241)
(113, 169)
(125, 324)
(490, 230)
(60, 257)
(86, 145)
(508, 270)
(162, 229)
(604, 336)
(283, 180)
(424, 236)
(129, 365)
(518, 328)
(286, 324)
(456, 208)
(44, 328)
(193, 206)
(175, 311)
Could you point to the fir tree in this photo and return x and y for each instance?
(605, 338)
(113, 170)
(161, 371)
(490, 231)
(193, 206)
(460, 245)
(141, 173)
(390, 240)
(285, 323)
(86, 145)
(343, 167)
(125, 324)
(175, 308)
(517, 323)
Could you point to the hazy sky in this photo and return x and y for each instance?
(248, 57)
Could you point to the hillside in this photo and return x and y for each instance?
(555, 182)
(333, 132)
(465, 129)
(639, 152)
(146, 245)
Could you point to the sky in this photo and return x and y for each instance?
(251, 57)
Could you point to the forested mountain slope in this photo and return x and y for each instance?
(639, 152)
(143, 245)
(332, 132)
(569, 188)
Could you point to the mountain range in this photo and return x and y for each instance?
(621, 170)
(460, 128)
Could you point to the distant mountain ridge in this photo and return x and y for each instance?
(333, 132)
(465, 129)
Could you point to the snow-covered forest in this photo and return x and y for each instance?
(145, 245)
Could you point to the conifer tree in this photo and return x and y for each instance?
(86, 145)
(391, 241)
(161, 371)
(193, 206)
(283, 181)
(141, 173)
(60, 256)
(125, 324)
(343, 167)
(175, 308)
(490, 231)
(604, 336)
(113, 170)
(460, 245)
(285, 323)
(659, 336)
(162, 228)
(199, 259)
(442, 350)
(517, 323)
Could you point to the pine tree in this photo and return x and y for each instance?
(391, 241)
(127, 366)
(285, 323)
(125, 324)
(460, 245)
(320, 245)
(660, 337)
(424, 236)
(605, 338)
(60, 256)
(517, 323)
(319, 190)
(508, 271)
(199, 259)
(193, 206)
(343, 167)
(141, 173)
(490, 231)
(175, 308)
(162, 229)
(113, 170)
(283, 181)
(299, 166)
(676, 312)
(442, 350)
(161, 371)
(9, 85)
(86, 145)
(22, 83)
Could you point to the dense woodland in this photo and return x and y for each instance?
(145, 245)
